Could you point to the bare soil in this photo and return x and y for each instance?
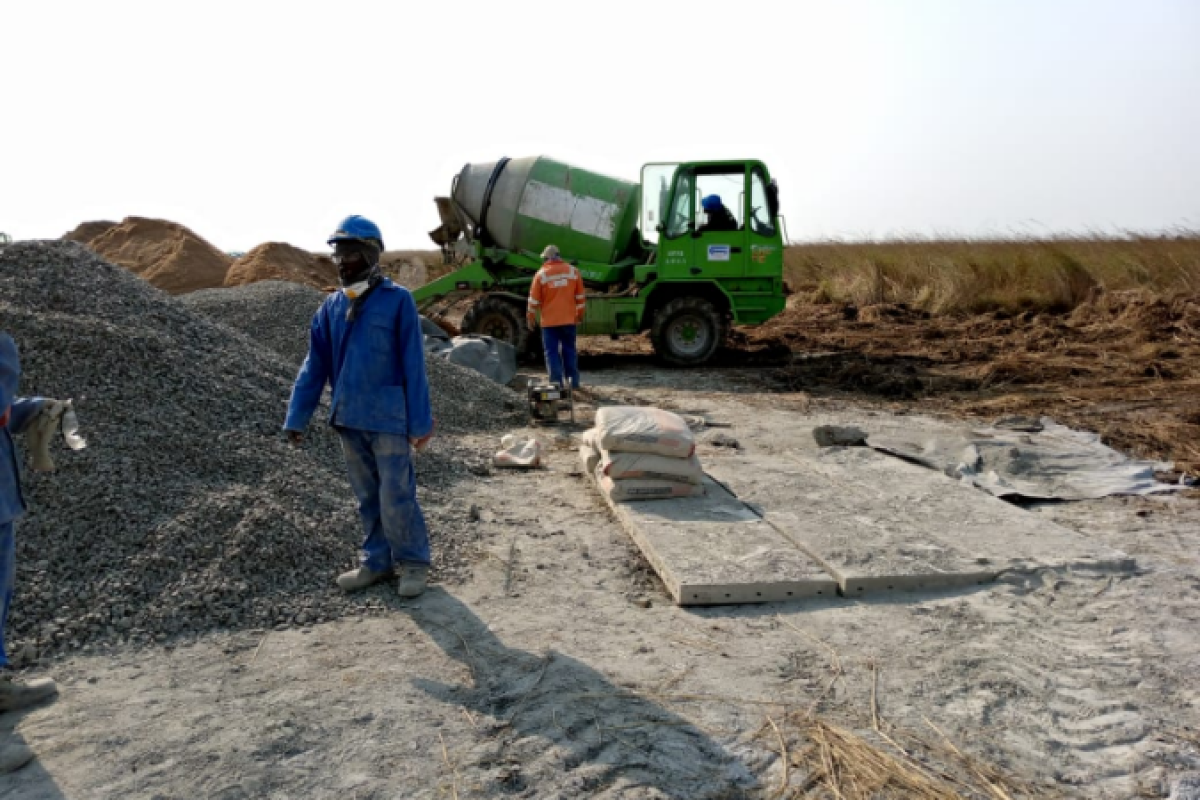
(559, 668)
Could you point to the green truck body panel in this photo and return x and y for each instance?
(596, 222)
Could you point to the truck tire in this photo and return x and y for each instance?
(687, 331)
(503, 319)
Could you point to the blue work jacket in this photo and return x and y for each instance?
(23, 410)
(375, 366)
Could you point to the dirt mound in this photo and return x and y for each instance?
(276, 261)
(409, 268)
(86, 231)
(167, 254)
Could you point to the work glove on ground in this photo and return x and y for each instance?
(56, 416)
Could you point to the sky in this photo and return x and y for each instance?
(258, 120)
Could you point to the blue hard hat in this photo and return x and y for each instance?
(356, 228)
(711, 203)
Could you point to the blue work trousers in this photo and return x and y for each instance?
(559, 341)
(8, 577)
(385, 483)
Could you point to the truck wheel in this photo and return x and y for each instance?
(504, 320)
(687, 331)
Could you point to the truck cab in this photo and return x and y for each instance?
(735, 270)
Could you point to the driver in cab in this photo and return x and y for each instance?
(720, 218)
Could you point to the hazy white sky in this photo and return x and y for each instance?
(259, 120)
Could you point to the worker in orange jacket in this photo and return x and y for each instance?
(557, 294)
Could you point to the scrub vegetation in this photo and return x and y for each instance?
(973, 276)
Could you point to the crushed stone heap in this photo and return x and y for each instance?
(167, 254)
(277, 314)
(282, 262)
(188, 511)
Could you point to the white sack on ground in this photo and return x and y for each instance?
(638, 429)
(1034, 459)
(647, 466)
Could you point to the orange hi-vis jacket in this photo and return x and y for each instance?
(557, 292)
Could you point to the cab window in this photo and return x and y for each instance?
(720, 199)
(762, 221)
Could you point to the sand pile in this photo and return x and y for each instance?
(167, 254)
(276, 261)
(86, 231)
(408, 268)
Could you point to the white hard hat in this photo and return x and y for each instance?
(550, 253)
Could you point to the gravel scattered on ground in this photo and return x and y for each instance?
(188, 511)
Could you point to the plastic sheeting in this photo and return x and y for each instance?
(490, 357)
(1033, 459)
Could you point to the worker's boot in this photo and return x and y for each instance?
(13, 756)
(15, 695)
(361, 578)
(412, 580)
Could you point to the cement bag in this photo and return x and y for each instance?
(625, 491)
(589, 452)
(646, 466)
(638, 429)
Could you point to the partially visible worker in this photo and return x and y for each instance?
(16, 414)
(557, 296)
(365, 341)
(720, 218)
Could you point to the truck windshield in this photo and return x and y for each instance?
(656, 189)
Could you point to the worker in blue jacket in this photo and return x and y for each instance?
(365, 341)
(15, 416)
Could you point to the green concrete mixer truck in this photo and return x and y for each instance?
(649, 255)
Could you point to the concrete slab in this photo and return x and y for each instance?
(713, 550)
(880, 524)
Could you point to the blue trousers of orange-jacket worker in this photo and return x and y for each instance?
(561, 355)
(385, 483)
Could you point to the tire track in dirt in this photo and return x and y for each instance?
(1071, 681)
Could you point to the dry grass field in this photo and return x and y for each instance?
(968, 276)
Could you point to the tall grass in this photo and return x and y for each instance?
(979, 275)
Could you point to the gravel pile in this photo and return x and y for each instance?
(188, 511)
(277, 314)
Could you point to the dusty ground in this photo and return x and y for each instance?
(560, 669)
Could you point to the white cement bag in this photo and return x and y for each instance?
(638, 429)
(626, 491)
(650, 467)
(589, 452)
